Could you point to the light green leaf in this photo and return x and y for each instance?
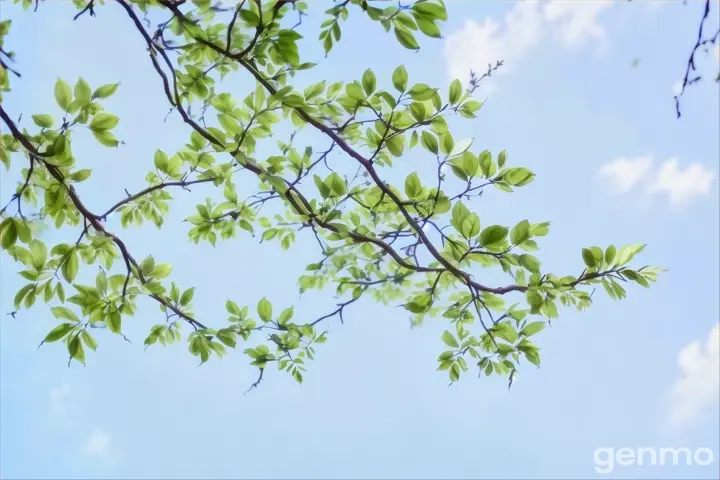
(43, 121)
(63, 94)
(103, 121)
(105, 137)
(264, 309)
(588, 258)
(369, 82)
(470, 226)
(532, 328)
(187, 296)
(455, 92)
(449, 340)
(70, 267)
(76, 350)
(406, 39)
(520, 232)
(58, 332)
(400, 78)
(531, 263)
(493, 235)
(413, 186)
(114, 321)
(38, 251)
(82, 92)
(105, 91)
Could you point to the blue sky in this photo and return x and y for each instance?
(601, 137)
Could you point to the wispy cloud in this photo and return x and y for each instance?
(524, 28)
(680, 185)
(698, 388)
(97, 443)
(60, 405)
(624, 173)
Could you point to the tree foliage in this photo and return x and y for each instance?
(419, 243)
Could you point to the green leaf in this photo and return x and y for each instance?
(336, 184)
(58, 332)
(369, 82)
(429, 141)
(505, 331)
(406, 39)
(65, 313)
(43, 121)
(103, 121)
(520, 232)
(114, 321)
(449, 340)
(533, 358)
(187, 296)
(518, 176)
(63, 94)
(286, 315)
(626, 253)
(105, 137)
(105, 91)
(446, 143)
(81, 175)
(493, 235)
(229, 123)
(8, 233)
(76, 350)
(396, 144)
(470, 164)
(502, 159)
(89, 340)
(588, 258)
(264, 309)
(421, 92)
(250, 17)
(459, 213)
(470, 226)
(70, 267)
(233, 308)
(532, 328)
(413, 186)
(531, 263)
(400, 78)
(161, 270)
(610, 253)
(161, 161)
(418, 112)
(38, 251)
(322, 188)
(455, 92)
(82, 92)
(430, 10)
(472, 106)
(428, 27)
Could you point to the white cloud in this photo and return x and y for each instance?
(681, 186)
(96, 443)
(699, 387)
(577, 22)
(625, 173)
(477, 44)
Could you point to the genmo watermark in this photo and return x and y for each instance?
(608, 458)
